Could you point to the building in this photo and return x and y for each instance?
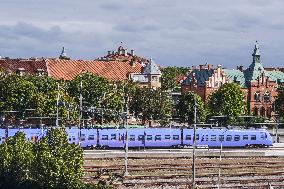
(115, 66)
(259, 84)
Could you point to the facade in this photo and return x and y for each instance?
(259, 84)
(115, 66)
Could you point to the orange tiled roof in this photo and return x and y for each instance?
(112, 70)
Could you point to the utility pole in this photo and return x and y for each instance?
(57, 106)
(80, 110)
(126, 136)
(194, 146)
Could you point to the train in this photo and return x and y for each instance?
(103, 138)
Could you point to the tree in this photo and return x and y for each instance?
(58, 164)
(186, 105)
(279, 102)
(151, 105)
(16, 94)
(16, 156)
(228, 100)
(169, 76)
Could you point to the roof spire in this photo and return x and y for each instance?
(256, 53)
(63, 54)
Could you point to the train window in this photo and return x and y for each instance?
(91, 137)
(262, 136)
(197, 137)
(113, 137)
(141, 137)
(213, 137)
(245, 137)
(73, 138)
(176, 137)
(104, 137)
(149, 137)
(221, 137)
(253, 137)
(188, 137)
(206, 137)
(237, 137)
(70, 139)
(167, 137)
(132, 137)
(158, 137)
(228, 137)
(83, 137)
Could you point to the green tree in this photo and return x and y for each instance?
(16, 94)
(169, 76)
(279, 102)
(16, 156)
(186, 105)
(228, 100)
(58, 164)
(151, 105)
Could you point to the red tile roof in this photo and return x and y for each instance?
(112, 70)
(30, 65)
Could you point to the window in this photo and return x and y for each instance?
(253, 137)
(228, 137)
(256, 96)
(154, 78)
(266, 96)
(197, 137)
(104, 137)
(245, 137)
(176, 137)
(188, 137)
(221, 137)
(158, 137)
(141, 137)
(83, 137)
(262, 136)
(91, 137)
(73, 138)
(167, 137)
(113, 137)
(213, 137)
(237, 137)
(149, 137)
(70, 139)
(132, 138)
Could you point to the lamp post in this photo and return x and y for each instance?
(126, 136)
(220, 157)
(194, 146)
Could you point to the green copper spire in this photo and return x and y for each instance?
(256, 53)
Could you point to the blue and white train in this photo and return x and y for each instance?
(156, 137)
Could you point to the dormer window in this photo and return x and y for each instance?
(40, 72)
(21, 71)
(256, 96)
(266, 96)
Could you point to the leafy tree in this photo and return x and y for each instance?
(279, 102)
(151, 105)
(169, 75)
(43, 84)
(227, 100)
(93, 88)
(186, 105)
(16, 94)
(16, 156)
(58, 164)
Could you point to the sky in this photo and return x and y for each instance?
(173, 33)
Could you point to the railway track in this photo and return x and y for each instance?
(241, 172)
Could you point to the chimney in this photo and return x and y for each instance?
(125, 52)
(108, 52)
(132, 53)
(209, 66)
(21, 71)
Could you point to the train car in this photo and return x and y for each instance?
(2, 135)
(111, 138)
(30, 134)
(89, 138)
(228, 137)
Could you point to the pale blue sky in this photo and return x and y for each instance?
(177, 33)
